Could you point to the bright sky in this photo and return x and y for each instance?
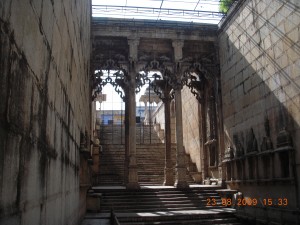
(113, 100)
(163, 14)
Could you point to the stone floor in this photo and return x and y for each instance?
(97, 221)
(104, 218)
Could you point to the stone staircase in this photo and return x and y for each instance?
(145, 134)
(205, 217)
(151, 164)
(164, 206)
(112, 134)
(150, 157)
(115, 134)
(161, 199)
(111, 165)
(151, 204)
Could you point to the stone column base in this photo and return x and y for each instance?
(222, 183)
(169, 177)
(132, 178)
(133, 185)
(181, 178)
(181, 184)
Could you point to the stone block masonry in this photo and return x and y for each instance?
(45, 94)
(265, 35)
(191, 137)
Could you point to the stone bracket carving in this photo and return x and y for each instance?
(119, 79)
(196, 76)
(251, 142)
(267, 144)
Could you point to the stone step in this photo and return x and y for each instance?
(107, 179)
(107, 160)
(145, 163)
(150, 167)
(160, 199)
(163, 196)
(114, 133)
(174, 201)
(192, 217)
(119, 207)
(224, 220)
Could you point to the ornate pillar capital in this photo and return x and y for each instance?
(133, 40)
(133, 48)
(177, 45)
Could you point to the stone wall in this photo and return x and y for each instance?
(190, 120)
(260, 62)
(44, 92)
(158, 116)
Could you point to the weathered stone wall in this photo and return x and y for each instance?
(190, 121)
(158, 121)
(45, 103)
(159, 115)
(260, 62)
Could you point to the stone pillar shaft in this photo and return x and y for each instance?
(180, 156)
(126, 163)
(203, 153)
(132, 164)
(169, 175)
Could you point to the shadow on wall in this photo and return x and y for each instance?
(261, 105)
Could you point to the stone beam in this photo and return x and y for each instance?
(198, 34)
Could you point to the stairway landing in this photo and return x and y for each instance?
(148, 211)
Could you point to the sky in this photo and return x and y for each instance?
(113, 101)
(163, 14)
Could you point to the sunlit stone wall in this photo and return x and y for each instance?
(190, 121)
(260, 64)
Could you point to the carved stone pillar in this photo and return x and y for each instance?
(220, 133)
(180, 156)
(203, 152)
(169, 172)
(132, 164)
(169, 175)
(219, 117)
(164, 95)
(126, 162)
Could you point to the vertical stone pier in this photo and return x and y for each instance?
(180, 181)
(132, 164)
